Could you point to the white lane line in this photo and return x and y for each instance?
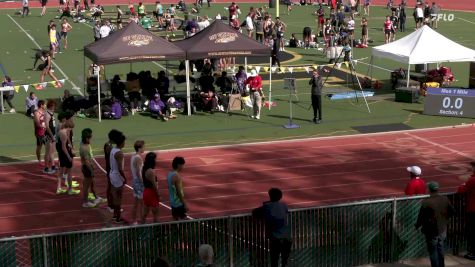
(75, 87)
(378, 67)
(441, 146)
(466, 20)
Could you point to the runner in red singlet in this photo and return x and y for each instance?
(40, 129)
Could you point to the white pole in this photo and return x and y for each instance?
(408, 74)
(370, 70)
(188, 94)
(99, 93)
(270, 83)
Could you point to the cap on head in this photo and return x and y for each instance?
(433, 187)
(416, 170)
(253, 73)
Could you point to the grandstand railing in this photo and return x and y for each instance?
(352, 234)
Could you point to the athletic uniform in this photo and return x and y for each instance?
(40, 131)
(137, 182)
(64, 162)
(150, 197)
(64, 30)
(388, 27)
(107, 150)
(178, 208)
(87, 170)
(117, 181)
(52, 125)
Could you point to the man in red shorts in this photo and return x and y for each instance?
(416, 185)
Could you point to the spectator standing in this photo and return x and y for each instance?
(316, 94)
(249, 25)
(419, 16)
(433, 218)
(259, 29)
(8, 95)
(136, 164)
(395, 23)
(275, 213)
(26, 8)
(151, 197)
(434, 15)
(402, 16)
(206, 254)
(233, 10)
(364, 31)
(366, 7)
(241, 77)
(427, 14)
(97, 31)
(117, 177)
(275, 44)
(468, 188)
(31, 104)
(350, 26)
(65, 29)
(388, 27)
(175, 189)
(255, 87)
(159, 13)
(417, 185)
(280, 28)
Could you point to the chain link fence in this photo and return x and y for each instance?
(337, 235)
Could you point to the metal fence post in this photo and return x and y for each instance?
(230, 240)
(393, 229)
(45, 254)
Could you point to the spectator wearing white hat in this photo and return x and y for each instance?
(416, 186)
(254, 81)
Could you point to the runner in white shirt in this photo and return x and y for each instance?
(117, 176)
(351, 29)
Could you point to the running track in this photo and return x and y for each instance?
(234, 179)
(462, 5)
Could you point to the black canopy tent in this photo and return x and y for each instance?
(130, 44)
(217, 41)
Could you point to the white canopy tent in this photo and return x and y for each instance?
(421, 47)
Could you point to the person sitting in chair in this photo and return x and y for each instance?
(224, 83)
(207, 92)
(157, 108)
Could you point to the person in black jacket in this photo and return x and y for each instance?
(433, 218)
(274, 213)
(317, 85)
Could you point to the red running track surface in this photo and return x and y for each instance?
(234, 179)
(463, 5)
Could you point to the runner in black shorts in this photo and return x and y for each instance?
(65, 154)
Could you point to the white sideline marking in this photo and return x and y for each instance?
(441, 146)
(75, 87)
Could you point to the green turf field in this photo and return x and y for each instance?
(20, 36)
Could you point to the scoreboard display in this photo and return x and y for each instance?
(451, 102)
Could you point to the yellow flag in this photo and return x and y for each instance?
(17, 88)
(346, 64)
(266, 69)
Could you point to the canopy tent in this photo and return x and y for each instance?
(421, 47)
(130, 44)
(217, 41)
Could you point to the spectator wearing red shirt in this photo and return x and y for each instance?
(468, 188)
(233, 10)
(255, 87)
(416, 185)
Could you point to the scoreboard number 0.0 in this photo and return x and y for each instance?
(447, 101)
